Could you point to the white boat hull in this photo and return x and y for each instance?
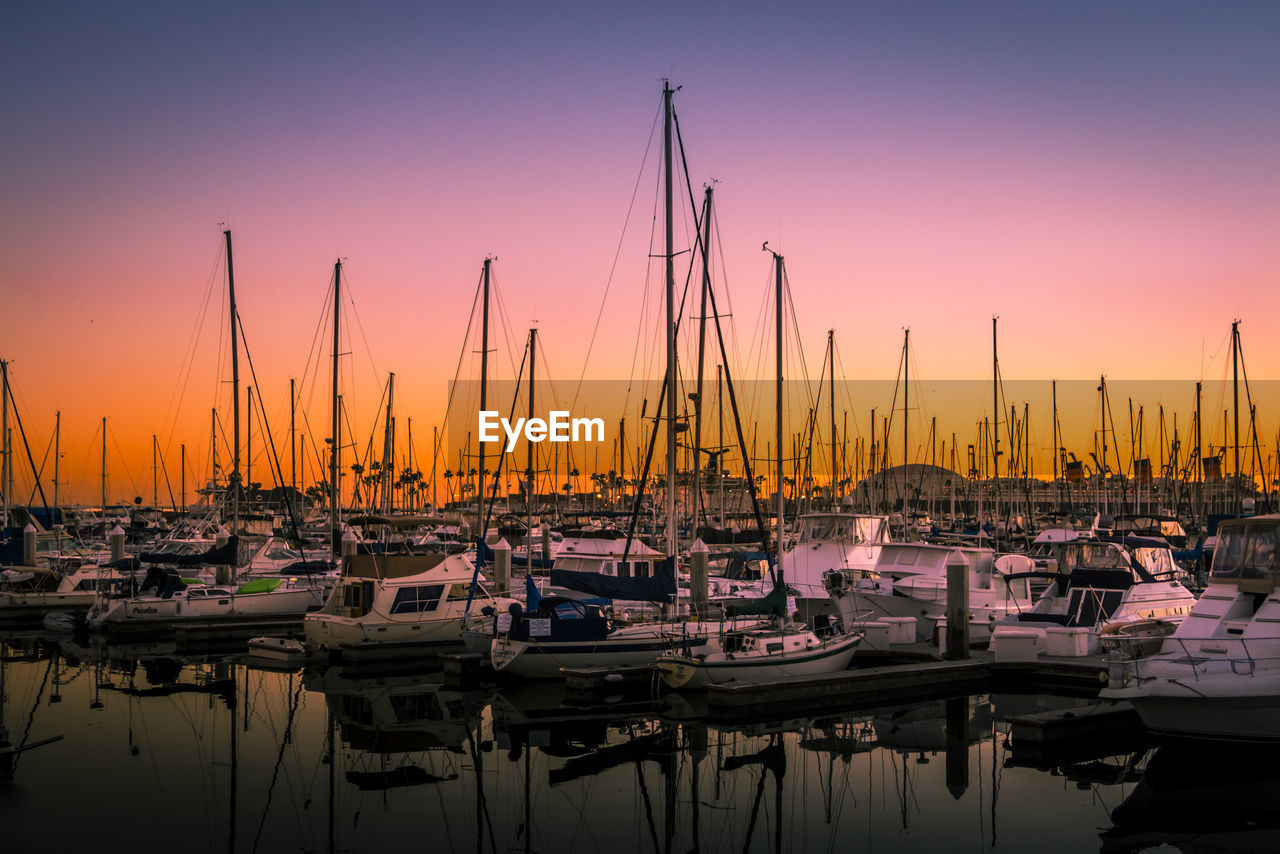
(832, 657)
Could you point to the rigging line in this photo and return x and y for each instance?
(322, 324)
(475, 301)
(616, 255)
(127, 473)
(39, 475)
(266, 429)
(504, 317)
(648, 345)
(193, 343)
(359, 325)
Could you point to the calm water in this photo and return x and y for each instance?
(208, 754)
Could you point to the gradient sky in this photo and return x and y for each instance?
(1103, 176)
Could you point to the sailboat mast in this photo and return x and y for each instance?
(529, 467)
(293, 446)
(104, 464)
(995, 428)
(4, 444)
(906, 390)
(335, 451)
(388, 447)
(1102, 474)
(831, 404)
(235, 392)
(777, 263)
(57, 445)
(484, 388)
(1235, 412)
(672, 535)
(702, 340)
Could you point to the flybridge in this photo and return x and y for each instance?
(558, 428)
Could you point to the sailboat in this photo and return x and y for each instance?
(563, 633)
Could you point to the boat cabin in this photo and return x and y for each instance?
(1246, 554)
(844, 528)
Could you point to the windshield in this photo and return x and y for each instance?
(1092, 556)
(1246, 551)
(1157, 561)
(842, 529)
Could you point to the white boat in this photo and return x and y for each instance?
(177, 602)
(910, 580)
(287, 651)
(1108, 581)
(399, 598)
(1218, 674)
(569, 633)
(33, 590)
(845, 542)
(758, 654)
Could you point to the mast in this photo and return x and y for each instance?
(248, 443)
(293, 445)
(182, 449)
(831, 404)
(1199, 469)
(57, 444)
(995, 429)
(529, 468)
(155, 474)
(702, 338)
(777, 265)
(335, 451)
(388, 447)
(484, 379)
(235, 392)
(4, 444)
(104, 464)
(672, 534)
(906, 391)
(720, 443)
(1102, 475)
(1235, 413)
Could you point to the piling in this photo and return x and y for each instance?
(502, 567)
(957, 607)
(699, 555)
(116, 538)
(546, 542)
(29, 545)
(222, 575)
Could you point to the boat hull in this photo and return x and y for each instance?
(687, 672)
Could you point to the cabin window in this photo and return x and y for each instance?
(624, 569)
(1261, 555)
(642, 569)
(773, 646)
(415, 600)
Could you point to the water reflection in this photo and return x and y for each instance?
(200, 752)
(1202, 797)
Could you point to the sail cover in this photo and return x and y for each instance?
(659, 587)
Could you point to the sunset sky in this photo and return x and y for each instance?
(1105, 177)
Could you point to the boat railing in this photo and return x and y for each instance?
(1193, 659)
